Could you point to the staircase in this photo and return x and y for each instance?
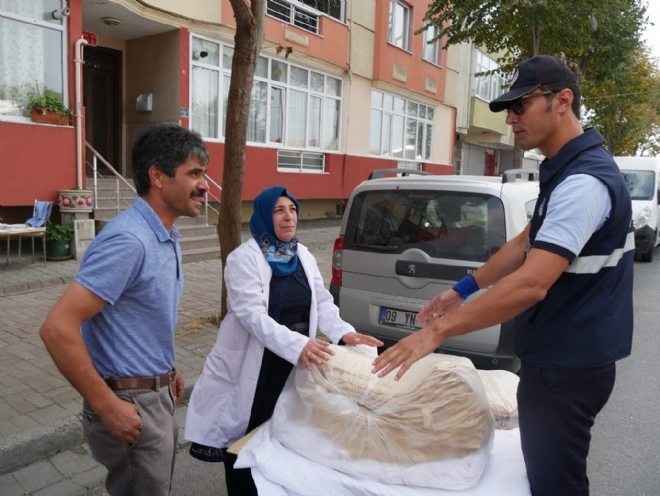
(199, 241)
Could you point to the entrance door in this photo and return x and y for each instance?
(102, 99)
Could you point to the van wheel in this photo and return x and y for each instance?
(648, 256)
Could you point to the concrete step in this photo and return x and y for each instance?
(200, 254)
(192, 230)
(195, 242)
(112, 201)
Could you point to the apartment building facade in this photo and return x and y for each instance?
(341, 88)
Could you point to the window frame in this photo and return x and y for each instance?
(300, 6)
(331, 90)
(490, 86)
(434, 46)
(401, 115)
(60, 27)
(395, 7)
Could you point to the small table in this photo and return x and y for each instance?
(8, 231)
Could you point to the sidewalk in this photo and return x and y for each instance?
(40, 411)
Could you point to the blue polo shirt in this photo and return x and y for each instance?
(134, 264)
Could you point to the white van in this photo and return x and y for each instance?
(641, 176)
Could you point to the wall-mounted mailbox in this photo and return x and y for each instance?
(144, 102)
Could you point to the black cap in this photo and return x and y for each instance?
(529, 75)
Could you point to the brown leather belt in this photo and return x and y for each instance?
(154, 383)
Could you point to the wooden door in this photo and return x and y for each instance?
(102, 100)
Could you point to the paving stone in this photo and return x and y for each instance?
(9, 486)
(38, 476)
(64, 487)
(70, 463)
(91, 478)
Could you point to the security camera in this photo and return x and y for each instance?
(61, 13)
(200, 54)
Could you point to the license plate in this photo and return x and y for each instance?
(398, 318)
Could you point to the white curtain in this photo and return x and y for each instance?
(31, 56)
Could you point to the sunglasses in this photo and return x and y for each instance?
(518, 106)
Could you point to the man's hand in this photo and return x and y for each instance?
(443, 303)
(406, 352)
(122, 420)
(178, 388)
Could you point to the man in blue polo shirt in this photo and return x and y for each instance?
(567, 278)
(124, 300)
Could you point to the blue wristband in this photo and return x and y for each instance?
(466, 286)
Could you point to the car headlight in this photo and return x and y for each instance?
(642, 218)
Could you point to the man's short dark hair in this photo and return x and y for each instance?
(165, 146)
(574, 87)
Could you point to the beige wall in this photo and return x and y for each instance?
(153, 65)
(362, 51)
(362, 22)
(357, 109)
(199, 10)
(443, 142)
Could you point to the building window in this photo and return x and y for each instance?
(400, 128)
(291, 106)
(399, 24)
(431, 44)
(305, 13)
(32, 53)
(487, 86)
(299, 161)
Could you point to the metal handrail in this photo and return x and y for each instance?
(207, 205)
(118, 177)
(96, 156)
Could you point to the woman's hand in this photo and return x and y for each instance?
(315, 352)
(355, 338)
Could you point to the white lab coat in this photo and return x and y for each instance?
(221, 401)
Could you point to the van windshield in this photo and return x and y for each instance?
(456, 225)
(640, 184)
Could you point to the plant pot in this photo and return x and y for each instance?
(58, 250)
(53, 118)
(76, 200)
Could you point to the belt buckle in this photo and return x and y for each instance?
(157, 386)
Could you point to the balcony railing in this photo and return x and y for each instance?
(293, 14)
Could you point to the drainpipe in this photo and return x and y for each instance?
(78, 60)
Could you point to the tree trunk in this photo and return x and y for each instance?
(247, 44)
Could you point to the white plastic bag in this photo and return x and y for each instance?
(501, 388)
(433, 428)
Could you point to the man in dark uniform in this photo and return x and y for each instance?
(567, 278)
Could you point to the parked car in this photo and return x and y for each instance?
(404, 240)
(641, 177)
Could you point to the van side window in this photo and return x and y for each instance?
(640, 183)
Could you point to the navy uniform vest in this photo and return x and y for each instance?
(586, 318)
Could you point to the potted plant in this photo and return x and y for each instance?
(58, 241)
(48, 108)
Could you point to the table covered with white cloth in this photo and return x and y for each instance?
(278, 471)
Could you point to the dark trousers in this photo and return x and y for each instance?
(557, 408)
(239, 480)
